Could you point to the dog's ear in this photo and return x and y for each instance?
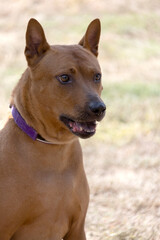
(36, 44)
(91, 37)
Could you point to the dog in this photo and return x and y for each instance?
(44, 192)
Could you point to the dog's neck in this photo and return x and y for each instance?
(31, 132)
(34, 117)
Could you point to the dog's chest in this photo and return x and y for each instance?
(54, 203)
(44, 191)
(52, 189)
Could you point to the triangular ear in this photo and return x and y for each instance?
(36, 44)
(91, 37)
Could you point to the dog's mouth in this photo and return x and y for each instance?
(81, 129)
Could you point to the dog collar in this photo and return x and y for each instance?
(21, 123)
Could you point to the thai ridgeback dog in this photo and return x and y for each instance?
(44, 193)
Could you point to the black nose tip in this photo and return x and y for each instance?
(97, 107)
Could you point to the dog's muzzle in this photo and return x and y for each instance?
(85, 125)
(98, 108)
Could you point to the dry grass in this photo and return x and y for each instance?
(125, 203)
(122, 160)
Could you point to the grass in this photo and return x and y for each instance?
(137, 90)
(132, 111)
(122, 160)
(122, 48)
(131, 23)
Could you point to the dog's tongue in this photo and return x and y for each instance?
(83, 127)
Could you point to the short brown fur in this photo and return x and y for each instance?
(44, 193)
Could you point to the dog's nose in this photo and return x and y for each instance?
(97, 108)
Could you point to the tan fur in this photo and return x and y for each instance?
(44, 193)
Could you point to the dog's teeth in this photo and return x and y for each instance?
(92, 130)
(80, 129)
(70, 124)
(89, 130)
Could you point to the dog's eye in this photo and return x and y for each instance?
(97, 77)
(64, 78)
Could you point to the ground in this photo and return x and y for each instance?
(122, 160)
(125, 186)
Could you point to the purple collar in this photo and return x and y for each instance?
(21, 123)
(31, 132)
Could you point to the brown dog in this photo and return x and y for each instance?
(43, 188)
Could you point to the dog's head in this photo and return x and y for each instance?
(65, 83)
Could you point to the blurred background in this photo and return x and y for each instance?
(123, 159)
